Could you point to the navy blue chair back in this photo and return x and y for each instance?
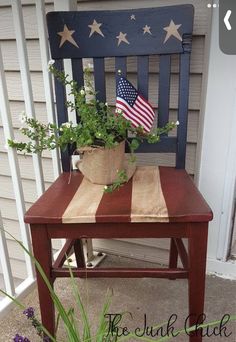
(163, 31)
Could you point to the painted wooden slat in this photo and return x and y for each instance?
(62, 114)
(202, 13)
(14, 166)
(99, 79)
(78, 75)
(167, 144)
(27, 86)
(47, 79)
(5, 262)
(164, 90)
(77, 70)
(111, 40)
(120, 68)
(143, 68)
(183, 110)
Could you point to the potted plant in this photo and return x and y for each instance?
(99, 136)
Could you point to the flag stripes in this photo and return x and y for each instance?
(133, 106)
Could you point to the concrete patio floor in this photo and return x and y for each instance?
(158, 298)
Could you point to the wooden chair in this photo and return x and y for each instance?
(170, 206)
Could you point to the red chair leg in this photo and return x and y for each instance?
(197, 270)
(173, 258)
(43, 253)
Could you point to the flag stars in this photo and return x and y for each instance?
(146, 29)
(66, 35)
(172, 30)
(122, 38)
(95, 27)
(132, 17)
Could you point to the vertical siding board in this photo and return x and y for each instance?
(27, 86)
(47, 79)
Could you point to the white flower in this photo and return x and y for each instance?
(106, 104)
(105, 187)
(177, 123)
(22, 117)
(51, 62)
(118, 110)
(82, 92)
(66, 124)
(52, 145)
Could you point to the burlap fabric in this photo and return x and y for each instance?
(100, 165)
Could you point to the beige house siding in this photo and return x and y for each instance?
(145, 249)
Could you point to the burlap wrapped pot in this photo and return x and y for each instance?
(100, 165)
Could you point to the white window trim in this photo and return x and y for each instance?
(216, 166)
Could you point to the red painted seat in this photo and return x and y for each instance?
(154, 194)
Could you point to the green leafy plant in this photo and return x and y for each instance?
(98, 126)
(67, 316)
(120, 180)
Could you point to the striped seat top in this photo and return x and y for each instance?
(154, 194)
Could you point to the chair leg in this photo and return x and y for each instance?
(79, 253)
(43, 253)
(173, 258)
(197, 269)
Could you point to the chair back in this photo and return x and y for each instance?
(163, 31)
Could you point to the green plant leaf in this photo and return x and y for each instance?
(68, 326)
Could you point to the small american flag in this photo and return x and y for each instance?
(133, 106)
